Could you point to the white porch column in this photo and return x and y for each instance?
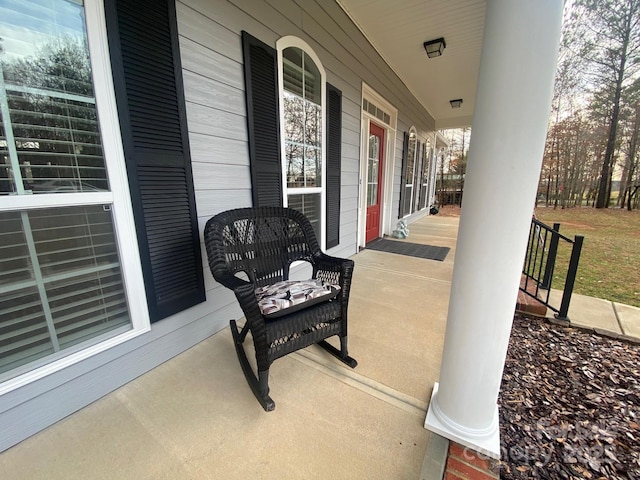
(515, 86)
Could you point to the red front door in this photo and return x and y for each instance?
(375, 156)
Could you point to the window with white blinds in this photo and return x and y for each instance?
(61, 279)
(426, 173)
(309, 205)
(50, 137)
(409, 173)
(303, 115)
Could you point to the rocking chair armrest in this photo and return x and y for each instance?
(327, 266)
(247, 299)
(230, 281)
(334, 264)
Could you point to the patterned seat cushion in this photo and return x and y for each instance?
(290, 296)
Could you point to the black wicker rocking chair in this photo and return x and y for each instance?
(263, 243)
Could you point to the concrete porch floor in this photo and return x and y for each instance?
(194, 417)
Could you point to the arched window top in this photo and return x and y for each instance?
(302, 72)
(411, 156)
(302, 114)
(290, 41)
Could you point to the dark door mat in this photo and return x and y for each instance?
(428, 252)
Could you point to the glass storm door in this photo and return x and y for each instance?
(375, 156)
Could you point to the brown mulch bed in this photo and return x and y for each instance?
(569, 404)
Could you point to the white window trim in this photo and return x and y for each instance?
(119, 198)
(281, 44)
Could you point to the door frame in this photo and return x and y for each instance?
(370, 95)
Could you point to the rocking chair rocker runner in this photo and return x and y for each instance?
(262, 243)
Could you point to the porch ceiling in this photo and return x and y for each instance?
(397, 29)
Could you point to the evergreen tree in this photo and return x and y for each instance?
(607, 34)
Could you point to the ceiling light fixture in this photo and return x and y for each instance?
(457, 103)
(434, 48)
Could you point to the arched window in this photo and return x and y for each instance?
(409, 172)
(426, 173)
(302, 114)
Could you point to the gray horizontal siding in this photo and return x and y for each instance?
(208, 178)
(220, 151)
(210, 93)
(198, 58)
(215, 122)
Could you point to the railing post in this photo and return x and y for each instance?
(551, 258)
(571, 277)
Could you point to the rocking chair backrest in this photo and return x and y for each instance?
(262, 242)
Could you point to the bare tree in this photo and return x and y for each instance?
(607, 33)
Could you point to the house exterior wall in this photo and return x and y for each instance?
(212, 62)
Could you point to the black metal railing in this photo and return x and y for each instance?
(540, 265)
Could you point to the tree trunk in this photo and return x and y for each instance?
(632, 193)
(604, 191)
(629, 171)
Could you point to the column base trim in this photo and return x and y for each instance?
(486, 442)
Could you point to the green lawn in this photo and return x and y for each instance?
(610, 261)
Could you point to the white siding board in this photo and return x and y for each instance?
(350, 165)
(349, 178)
(351, 123)
(218, 150)
(212, 202)
(351, 152)
(208, 33)
(207, 92)
(204, 61)
(289, 9)
(234, 18)
(351, 90)
(280, 23)
(350, 210)
(211, 121)
(351, 222)
(350, 137)
(220, 177)
(349, 192)
(351, 106)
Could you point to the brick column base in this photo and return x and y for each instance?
(467, 464)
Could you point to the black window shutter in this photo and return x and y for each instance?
(403, 177)
(145, 59)
(261, 93)
(334, 161)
